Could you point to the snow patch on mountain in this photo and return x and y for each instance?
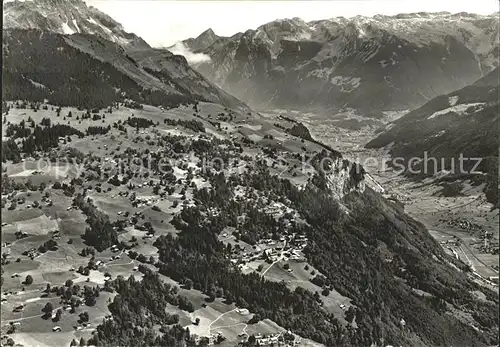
(441, 133)
(76, 25)
(192, 58)
(458, 109)
(36, 84)
(320, 73)
(371, 54)
(346, 84)
(452, 100)
(92, 20)
(66, 29)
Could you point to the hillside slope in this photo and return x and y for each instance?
(464, 122)
(398, 284)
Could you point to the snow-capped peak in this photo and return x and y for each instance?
(67, 17)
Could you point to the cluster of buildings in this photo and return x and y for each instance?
(32, 253)
(277, 339)
(143, 201)
(288, 247)
(212, 338)
(465, 224)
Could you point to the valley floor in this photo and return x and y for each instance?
(463, 218)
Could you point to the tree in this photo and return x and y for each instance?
(90, 301)
(251, 339)
(84, 316)
(350, 314)
(197, 321)
(28, 280)
(188, 284)
(255, 319)
(58, 316)
(48, 308)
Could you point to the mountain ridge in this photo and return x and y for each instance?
(97, 34)
(464, 122)
(336, 63)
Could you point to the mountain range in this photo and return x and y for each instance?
(82, 35)
(464, 122)
(368, 63)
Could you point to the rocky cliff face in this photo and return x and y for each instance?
(371, 64)
(345, 177)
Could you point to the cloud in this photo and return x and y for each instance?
(192, 58)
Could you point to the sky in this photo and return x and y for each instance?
(162, 23)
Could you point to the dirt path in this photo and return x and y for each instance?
(277, 261)
(109, 265)
(270, 266)
(216, 319)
